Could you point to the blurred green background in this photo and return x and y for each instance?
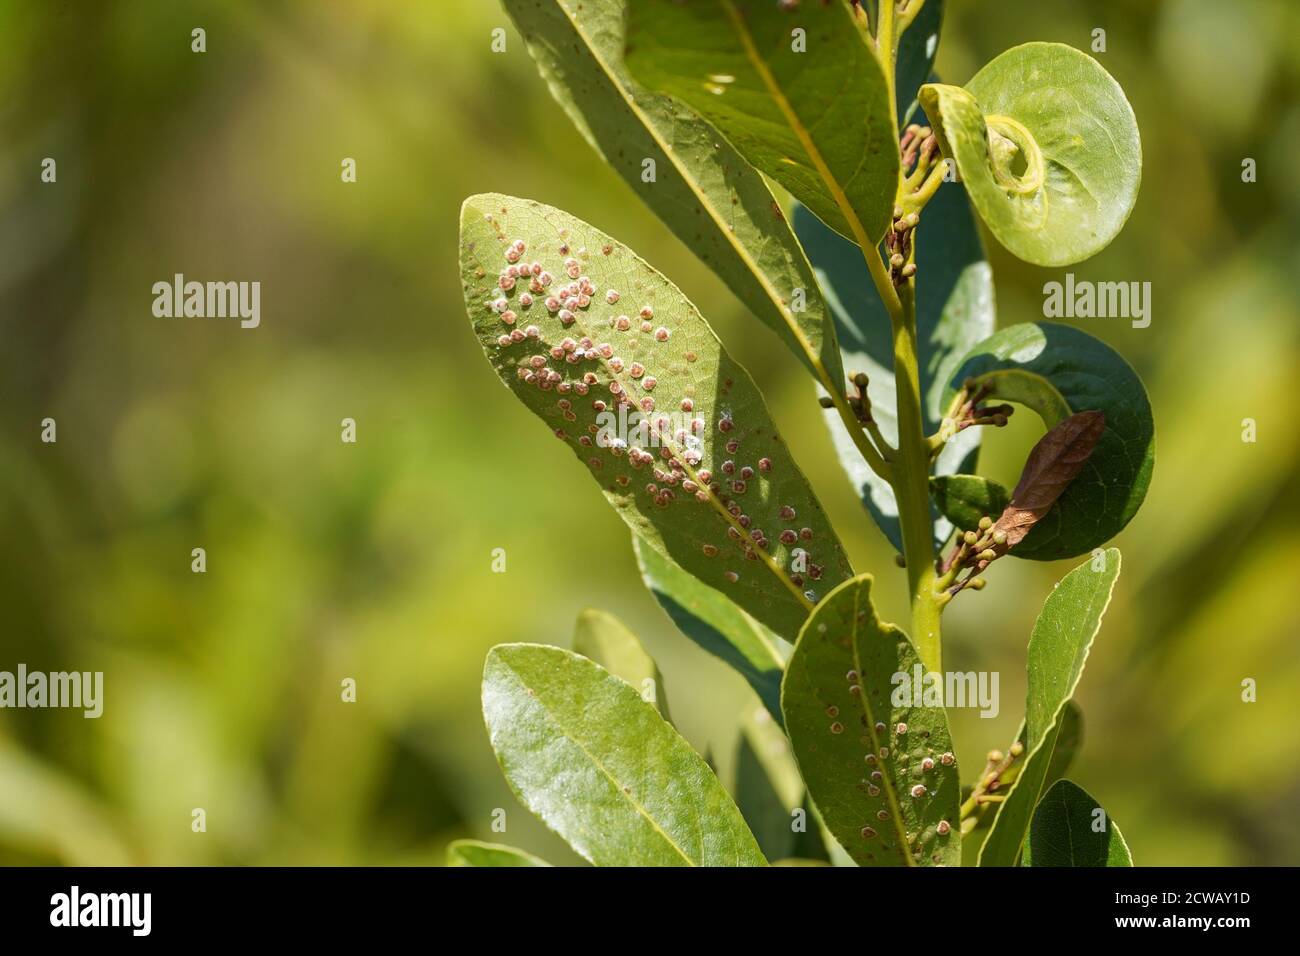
(373, 560)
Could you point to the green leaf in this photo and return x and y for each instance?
(1071, 829)
(964, 499)
(478, 853)
(718, 205)
(954, 312)
(916, 50)
(817, 121)
(599, 766)
(716, 624)
(860, 752)
(1058, 649)
(1048, 147)
(704, 412)
(769, 790)
(603, 638)
(1059, 371)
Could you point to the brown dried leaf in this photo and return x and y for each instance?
(1053, 463)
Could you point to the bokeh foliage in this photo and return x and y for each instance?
(373, 561)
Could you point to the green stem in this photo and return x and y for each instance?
(912, 486)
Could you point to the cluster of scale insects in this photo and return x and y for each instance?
(680, 450)
(875, 777)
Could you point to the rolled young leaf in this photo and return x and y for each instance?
(797, 90)
(1071, 829)
(1058, 650)
(877, 762)
(480, 854)
(716, 624)
(633, 380)
(1048, 147)
(1058, 371)
(603, 638)
(601, 768)
(714, 201)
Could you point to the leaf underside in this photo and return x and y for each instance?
(882, 774)
(716, 624)
(599, 766)
(672, 428)
(954, 312)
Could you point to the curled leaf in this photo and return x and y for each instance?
(1053, 463)
(1048, 147)
(1058, 370)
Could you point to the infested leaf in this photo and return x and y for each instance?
(716, 624)
(964, 499)
(1052, 465)
(480, 854)
(881, 771)
(1065, 831)
(603, 638)
(601, 768)
(817, 119)
(1057, 371)
(672, 428)
(1058, 650)
(714, 201)
(1048, 147)
(954, 312)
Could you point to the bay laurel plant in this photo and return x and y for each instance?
(807, 153)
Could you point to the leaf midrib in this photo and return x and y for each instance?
(886, 776)
(796, 126)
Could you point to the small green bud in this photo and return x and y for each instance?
(1017, 749)
(909, 270)
(912, 219)
(898, 212)
(826, 401)
(988, 554)
(896, 260)
(861, 380)
(976, 585)
(985, 523)
(970, 537)
(999, 420)
(995, 756)
(999, 537)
